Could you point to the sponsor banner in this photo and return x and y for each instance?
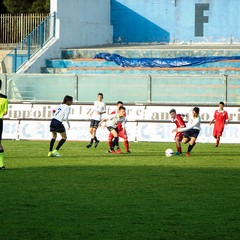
(134, 112)
(10, 129)
(161, 113)
(78, 112)
(162, 132)
(39, 130)
(137, 131)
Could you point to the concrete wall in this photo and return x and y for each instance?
(79, 23)
(83, 23)
(176, 21)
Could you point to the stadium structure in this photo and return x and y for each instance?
(152, 55)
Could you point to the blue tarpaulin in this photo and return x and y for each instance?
(161, 62)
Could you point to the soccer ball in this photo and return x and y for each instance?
(169, 152)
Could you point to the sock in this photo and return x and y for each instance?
(126, 145)
(61, 142)
(217, 142)
(95, 138)
(179, 149)
(1, 158)
(110, 144)
(115, 142)
(190, 147)
(52, 144)
(91, 141)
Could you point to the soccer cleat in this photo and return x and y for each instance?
(108, 151)
(112, 151)
(55, 154)
(178, 153)
(2, 168)
(128, 151)
(119, 151)
(187, 154)
(89, 145)
(96, 143)
(50, 154)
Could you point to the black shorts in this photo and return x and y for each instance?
(94, 123)
(1, 128)
(57, 126)
(191, 133)
(112, 128)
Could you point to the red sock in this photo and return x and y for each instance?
(110, 143)
(179, 149)
(126, 145)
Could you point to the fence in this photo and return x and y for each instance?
(13, 28)
(151, 89)
(32, 43)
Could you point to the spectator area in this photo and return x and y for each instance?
(81, 61)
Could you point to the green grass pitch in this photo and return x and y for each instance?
(88, 194)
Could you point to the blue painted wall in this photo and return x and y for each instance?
(175, 21)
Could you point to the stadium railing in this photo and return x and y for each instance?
(32, 43)
(151, 89)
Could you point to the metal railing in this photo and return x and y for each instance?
(14, 27)
(165, 89)
(32, 43)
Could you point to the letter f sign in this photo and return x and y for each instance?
(200, 19)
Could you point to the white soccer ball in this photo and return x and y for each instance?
(169, 152)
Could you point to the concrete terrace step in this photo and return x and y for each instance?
(80, 62)
(154, 51)
(100, 66)
(121, 70)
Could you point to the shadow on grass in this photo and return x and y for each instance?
(120, 202)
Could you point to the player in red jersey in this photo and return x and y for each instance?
(220, 118)
(177, 119)
(121, 131)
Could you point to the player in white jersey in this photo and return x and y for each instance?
(191, 131)
(98, 109)
(112, 126)
(60, 114)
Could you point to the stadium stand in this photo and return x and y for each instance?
(82, 61)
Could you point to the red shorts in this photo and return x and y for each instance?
(179, 135)
(122, 134)
(217, 132)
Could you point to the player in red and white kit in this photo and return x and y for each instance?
(220, 118)
(177, 119)
(122, 133)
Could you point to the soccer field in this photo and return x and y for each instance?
(88, 194)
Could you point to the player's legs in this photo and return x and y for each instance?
(115, 140)
(191, 137)
(123, 135)
(2, 167)
(217, 134)
(56, 127)
(191, 145)
(54, 136)
(178, 139)
(186, 140)
(110, 139)
(217, 141)
(92, 133)
(62, 141)
(55, 152)
(93, 130)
